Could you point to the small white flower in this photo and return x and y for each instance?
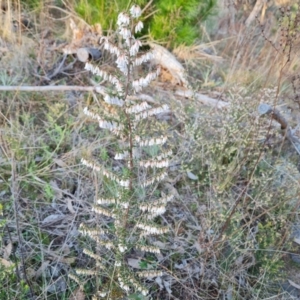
(103, 38)
(122, 62)
(125, 33)
(108, 245)
(90, 165)
(136, 85)
(124, 183)
(152, 249)
(102, 294)
(122, 248)
(139, 26)
(123, 19)
(106, 201)
(123, 155)
(113, 100)
(125, 205)
(134, 49)
(101, 211)
(118, 263)
(150, 273)
(137, 108)
(135, 11)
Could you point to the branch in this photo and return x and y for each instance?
(266, 109)
(55, 88)
(257, 8)
(61, 88)
(168, 61)
(202, 98)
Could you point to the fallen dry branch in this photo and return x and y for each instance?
(266, 109)
(54, 88)
(168, 61)
(202, 98)
(259, 5)
(101, 90)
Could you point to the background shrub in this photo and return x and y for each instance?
(174, 22)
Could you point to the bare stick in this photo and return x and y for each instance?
(202, 98)
(101, 90)
(55, 88)
(61, 88)
(257, 8)
(168, 61)
(266, 109)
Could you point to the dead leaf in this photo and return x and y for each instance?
(167, 285)
(60, 163)
(295, 285)
(173, 191)
(168, 61)
(7, 251)
(191, 175)
(134, 263)
(56, 189)
(42, 268)
(181, 266)
(53, 219)
(159, 282)
(68, 260)
(198, 247)
(5, 262)
(297, 240)
(77, 295)
(97, 28)
(160, 245)
(30, 272)
(70, 206)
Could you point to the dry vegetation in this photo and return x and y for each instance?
(234, 224)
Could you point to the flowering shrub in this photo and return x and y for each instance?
(131, 209)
